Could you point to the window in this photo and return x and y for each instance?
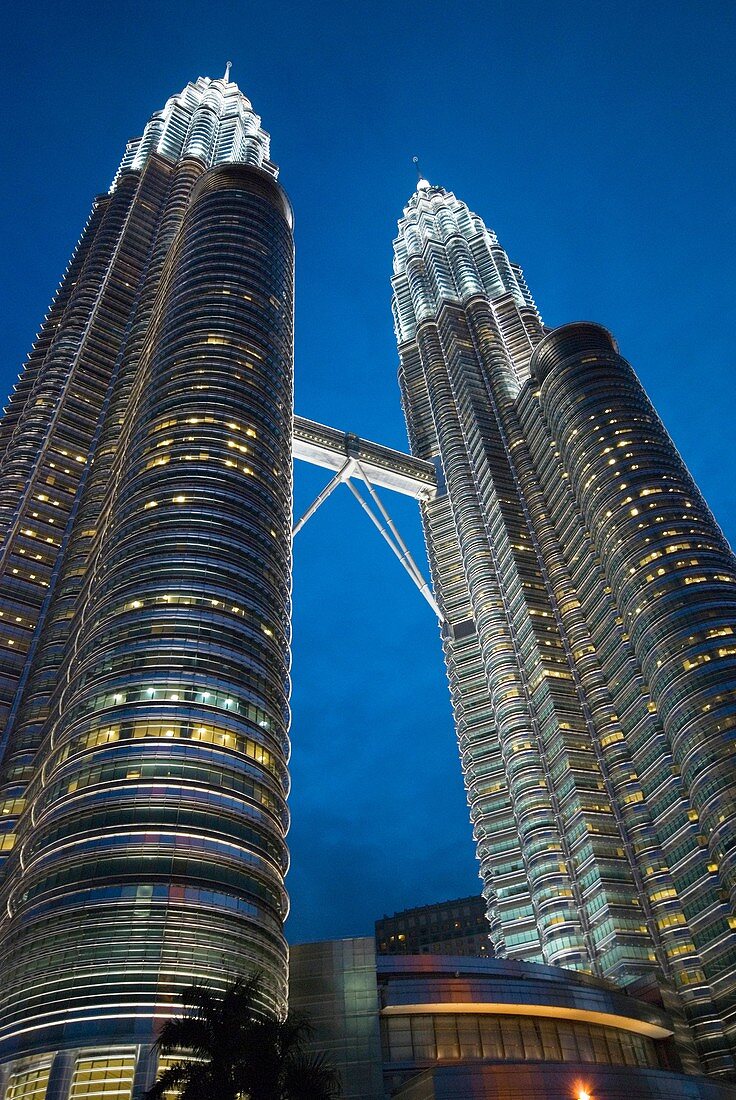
(103, 1077)
(29, 1083)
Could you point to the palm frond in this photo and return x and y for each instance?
(186, 1033)
(311, 1077)
(243, 997)
(200, 996)
(203, 1084)
(285, 1038)
(296, 1030)
(232, 1047)
(171, 1078)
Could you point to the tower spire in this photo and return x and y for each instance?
(422, 183)
(226, 131)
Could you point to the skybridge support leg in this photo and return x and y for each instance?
(402, 554)
(405, 556)
(342, 474)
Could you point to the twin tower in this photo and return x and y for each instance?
(586, 595)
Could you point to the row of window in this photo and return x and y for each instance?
(450, 1037)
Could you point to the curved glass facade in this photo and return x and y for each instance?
(422, 1038)
(146, 756)
(456, 1027)
(590, 602)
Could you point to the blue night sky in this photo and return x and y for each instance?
(596, 138)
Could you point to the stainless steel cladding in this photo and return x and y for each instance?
(590, 602)
(149, 511)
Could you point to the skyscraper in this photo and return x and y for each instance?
(145, 534)
(590, 606)
(145, 514)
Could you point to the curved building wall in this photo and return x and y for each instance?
(151, 851)
(165, 190)
(671, 572)
(588, 598)
(48, 430)
(672, 577)
(439, 1010)
(444, 1026)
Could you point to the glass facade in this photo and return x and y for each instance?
(145, 579)
(448, 1037)
(333, 984)
(98, 1077)
(483, 1028)
(590, 600)
(29, 1083)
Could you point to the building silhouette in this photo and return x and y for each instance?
(457, 927)
(589, 606)
(145, 571)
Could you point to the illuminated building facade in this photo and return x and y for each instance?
(588, 609)
(145, 577)
(424, 1027)
(589, 600)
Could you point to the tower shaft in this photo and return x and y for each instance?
(590, 600)
(146, 744)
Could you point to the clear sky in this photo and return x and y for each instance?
(596, 138)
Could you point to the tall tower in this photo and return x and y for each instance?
(145, 564)
(590, 606)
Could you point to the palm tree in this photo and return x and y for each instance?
(228, 1050)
